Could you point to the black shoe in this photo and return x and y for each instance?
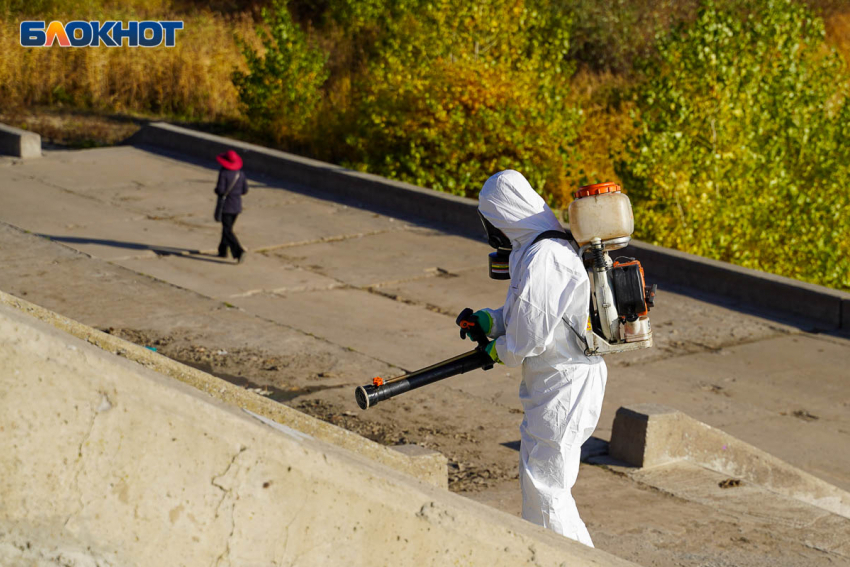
(241, 258)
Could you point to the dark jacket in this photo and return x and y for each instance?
(233, 203)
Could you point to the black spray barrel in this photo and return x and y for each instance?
(370, 394)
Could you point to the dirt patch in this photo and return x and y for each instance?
(467, 473)
(279, 377)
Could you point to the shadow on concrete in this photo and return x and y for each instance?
(280, 395)
(593, 448)
(188, 253)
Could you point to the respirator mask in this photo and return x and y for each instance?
(499, 265)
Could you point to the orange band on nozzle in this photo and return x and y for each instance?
(377, 381)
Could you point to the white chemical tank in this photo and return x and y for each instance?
(601, 211)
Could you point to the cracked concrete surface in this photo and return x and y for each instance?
(352, 294)
(229, 490)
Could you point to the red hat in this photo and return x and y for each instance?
(229, 160)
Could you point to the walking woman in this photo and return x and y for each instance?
(230, 188)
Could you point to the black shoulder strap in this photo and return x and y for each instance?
(555, 234)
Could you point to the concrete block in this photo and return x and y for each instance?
(646, 435)
(641, 433)
(19, 143)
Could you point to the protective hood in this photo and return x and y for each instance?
(511, 205)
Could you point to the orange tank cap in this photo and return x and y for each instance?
(377, 381)
(597, 189)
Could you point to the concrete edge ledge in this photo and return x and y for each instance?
(111, 438)
(429, 467)
(19, 143)
(647, 435)
(823, 307)
(820, 305)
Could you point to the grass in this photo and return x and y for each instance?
(190, 81)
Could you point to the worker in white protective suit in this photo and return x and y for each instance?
(546, 306)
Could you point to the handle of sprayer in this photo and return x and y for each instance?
(472, 328)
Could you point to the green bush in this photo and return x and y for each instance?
(460, 90)
(743, 150)
(610, 34)
(282, 87)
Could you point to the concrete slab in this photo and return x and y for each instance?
(422, 464)
(451, 293)
(272, 216)
(94, 227)
(393, 332)
(94, 170)
(693, 483)
(403, 255)
(175, 192)
(280, 217)
(105, 295)
(400, 334)
(815, 446)
(640, 434)
(223, 278)
(683, 324)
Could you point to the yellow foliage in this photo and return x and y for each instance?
(838, 33)
(191, 80)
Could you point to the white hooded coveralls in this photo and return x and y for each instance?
(562, 388)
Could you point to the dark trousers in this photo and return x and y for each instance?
(228, 239)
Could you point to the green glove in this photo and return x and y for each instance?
(491, 350)
(482, 319)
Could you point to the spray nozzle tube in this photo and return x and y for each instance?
(370, 394)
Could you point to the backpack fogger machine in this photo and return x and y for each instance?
(601, 222)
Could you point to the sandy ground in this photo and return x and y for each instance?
(331, 295)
